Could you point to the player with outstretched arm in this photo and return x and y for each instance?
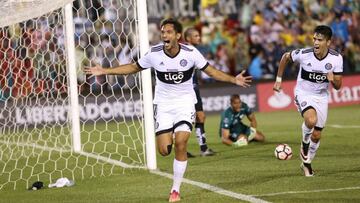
(174, 98)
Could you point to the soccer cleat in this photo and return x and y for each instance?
(308, 172)
(304, 149)
(174, 196)
(189, 155)
(207, 152)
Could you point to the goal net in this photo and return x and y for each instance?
(53, 124)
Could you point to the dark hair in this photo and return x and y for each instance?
(174, 22)
(233, 97)
(324, 30)
(189, 31)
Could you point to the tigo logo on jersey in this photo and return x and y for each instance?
(319, 78)
(176, 77)
(313, 76)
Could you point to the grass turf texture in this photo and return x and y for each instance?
(251, 170)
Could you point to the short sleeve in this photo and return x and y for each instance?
(248, 110)
(338, 69)
(225, 121)
(144, 62)
(200, 61)
(295, 55)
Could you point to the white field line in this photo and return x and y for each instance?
(157, 172)
(306, 191)
(213, 188)
(44, 148)
(61, 150)
(343, 126)
(109, 160)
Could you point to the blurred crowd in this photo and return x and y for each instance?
(32, 53)
(256, 37)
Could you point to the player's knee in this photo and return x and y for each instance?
(165, 151)
(180, 146)
(311, 121)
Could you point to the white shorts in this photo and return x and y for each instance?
(319, 103)
(170, 116)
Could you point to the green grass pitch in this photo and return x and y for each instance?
(252, 170)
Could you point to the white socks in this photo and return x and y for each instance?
(179, 168)
(312, 149)
(306, 133)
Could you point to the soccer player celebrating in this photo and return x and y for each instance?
(174, 99)
(232, 130)
(319, 66)
(192, 36)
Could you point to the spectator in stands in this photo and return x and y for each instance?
(255, 68)
(340, 28)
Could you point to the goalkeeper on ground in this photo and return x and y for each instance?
(232, 130)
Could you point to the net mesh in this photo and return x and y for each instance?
(35, 131)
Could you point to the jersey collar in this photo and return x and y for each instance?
(174, 55)
(320, 59)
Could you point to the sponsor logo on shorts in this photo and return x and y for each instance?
(303, 103)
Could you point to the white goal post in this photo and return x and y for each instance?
(55, 121)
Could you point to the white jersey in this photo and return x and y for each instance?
(174, 82)
(312, 77)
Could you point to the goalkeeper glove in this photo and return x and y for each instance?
(240, 142)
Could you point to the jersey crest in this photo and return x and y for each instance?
(328, 66)
(183, 62)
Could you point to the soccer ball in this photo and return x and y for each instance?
(283, 152)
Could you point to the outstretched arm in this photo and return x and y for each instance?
(221, 76)
(285, 59)
(120, 70)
